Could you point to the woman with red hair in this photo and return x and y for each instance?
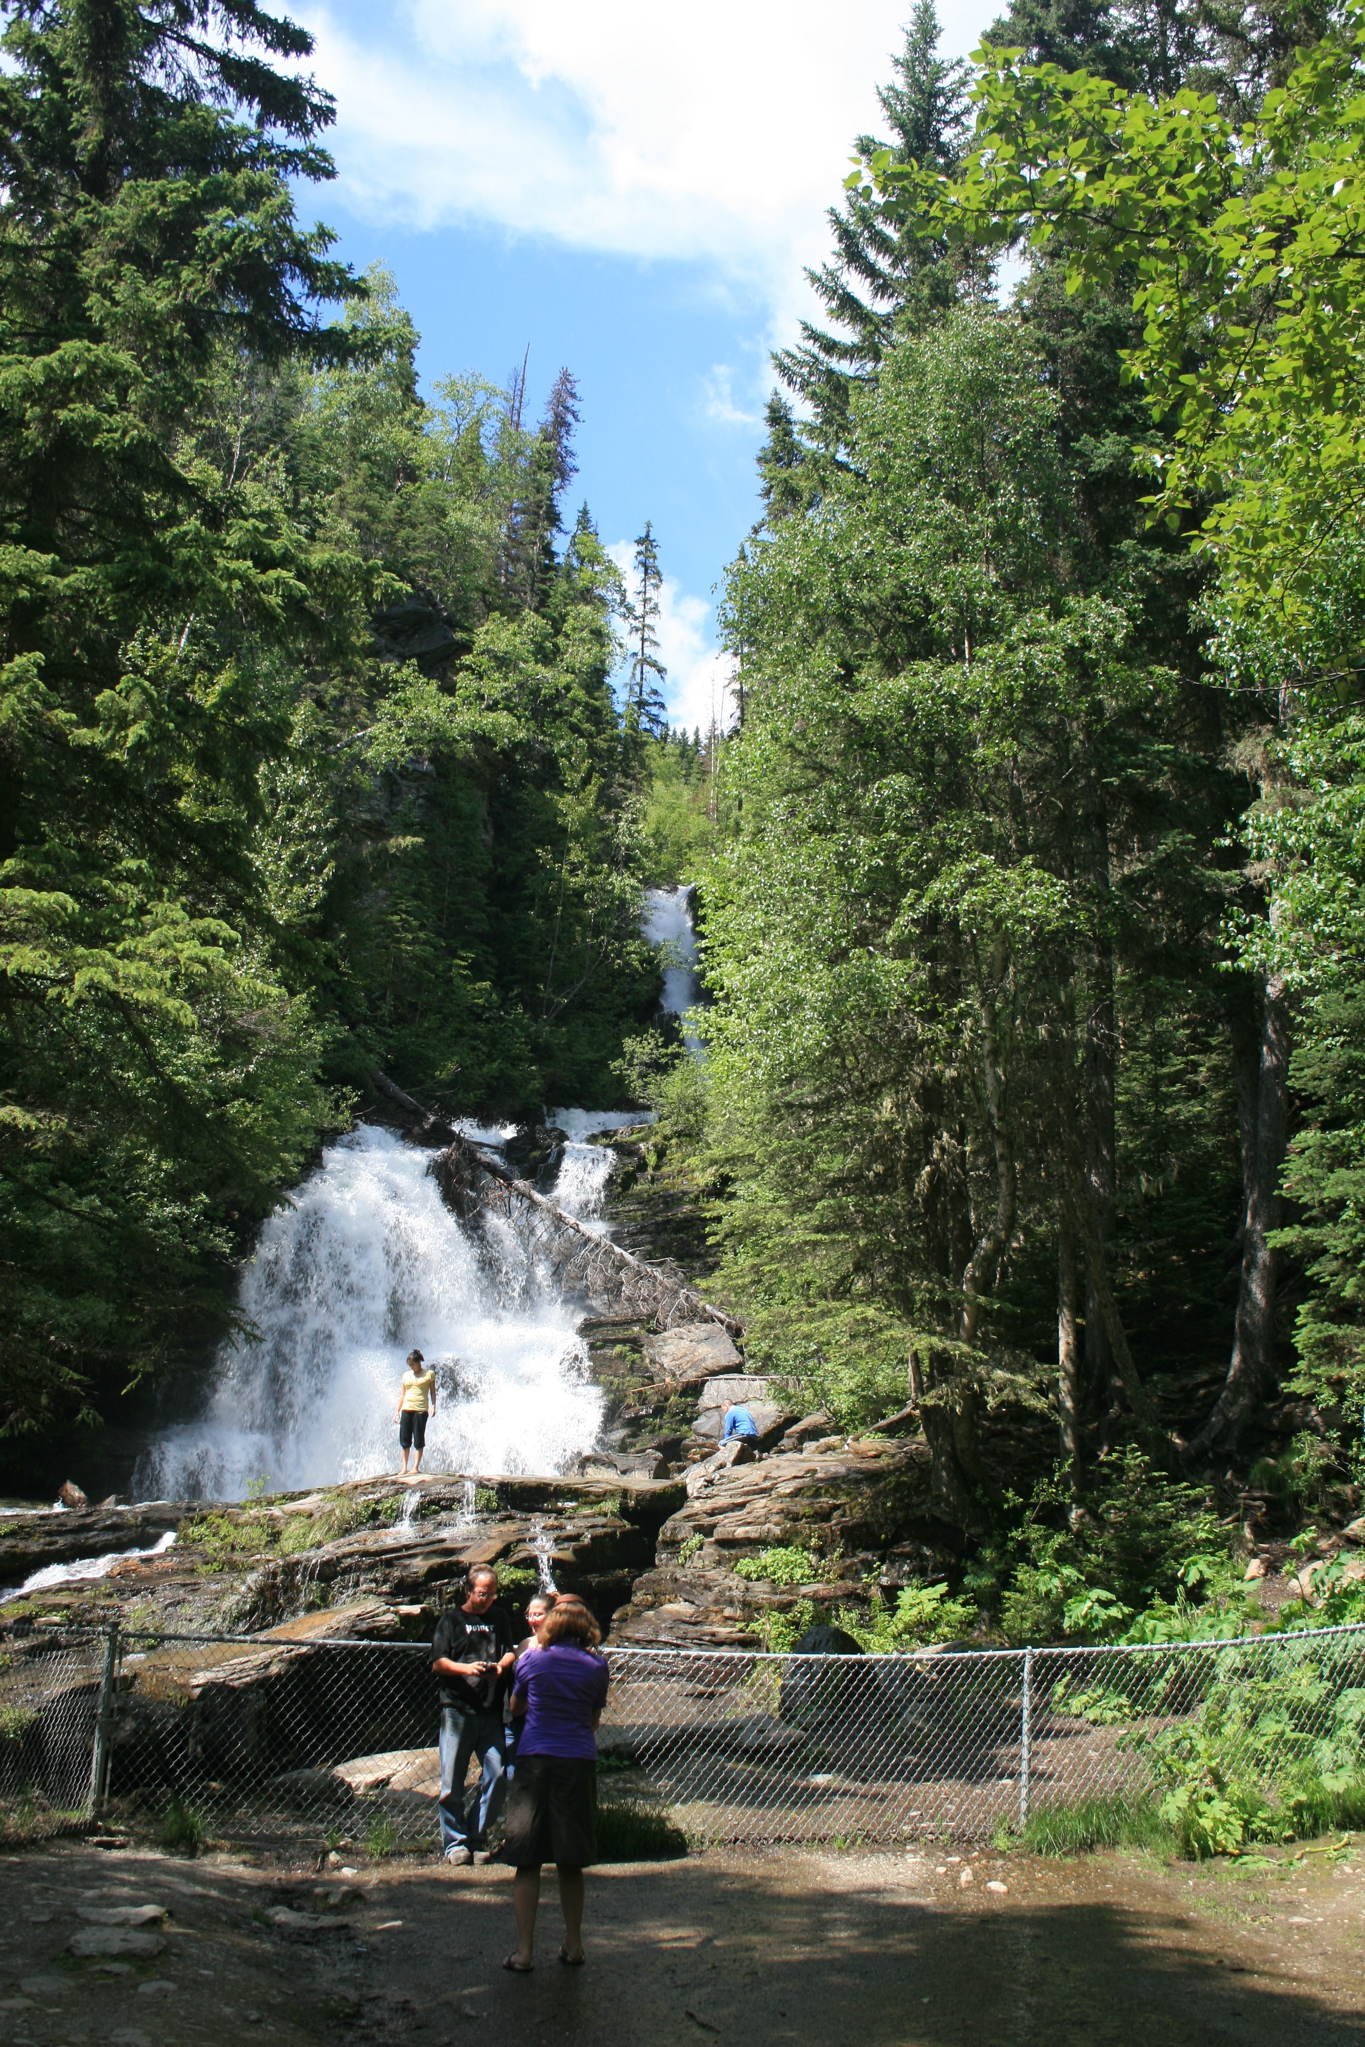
(559, 1690)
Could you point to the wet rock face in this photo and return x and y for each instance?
(591, 1537)
(35, 1542)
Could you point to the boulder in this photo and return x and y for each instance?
(872, 1503)
(739, 1450)
(71, 1496)
(94, 1942)
(815, 1428)
(691, 1352)
(770, 1417)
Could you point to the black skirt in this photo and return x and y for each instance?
(551, 1813)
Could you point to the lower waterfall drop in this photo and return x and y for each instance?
(365, 1263)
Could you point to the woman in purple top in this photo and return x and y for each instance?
(559, 1690)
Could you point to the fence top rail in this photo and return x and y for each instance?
(664, 1655)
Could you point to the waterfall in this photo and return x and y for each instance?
(540, 1543)
(363, 1263)
(668, 921)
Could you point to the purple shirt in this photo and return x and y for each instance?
(563, 1686)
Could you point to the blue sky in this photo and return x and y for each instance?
(632, 193)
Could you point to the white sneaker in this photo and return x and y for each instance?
(459, 1856)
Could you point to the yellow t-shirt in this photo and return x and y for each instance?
(417, 1388)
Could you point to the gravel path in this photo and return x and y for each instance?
(882, 1950)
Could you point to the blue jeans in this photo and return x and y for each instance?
(466, 1733)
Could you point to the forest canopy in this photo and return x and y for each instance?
(310, 757)
(1034, 941)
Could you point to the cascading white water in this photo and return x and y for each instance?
(540, 1543)
(365, 1263)
(668, 921)
(85, 1569)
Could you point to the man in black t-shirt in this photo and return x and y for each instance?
(472, 1652)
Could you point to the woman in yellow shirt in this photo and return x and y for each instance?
(415, 1402)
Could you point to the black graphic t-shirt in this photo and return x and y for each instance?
(473, 1638)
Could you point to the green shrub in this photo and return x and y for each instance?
(922, 1613)
(1301, 1473)
(1265, 1758)
(1144, 1560)
(780, 1632)
(690, 1548)
(629, 1831)
(182, 1828)
(780, 1567)
(381, 1838)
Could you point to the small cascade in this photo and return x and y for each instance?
(668, 922)
(84, 1569)
(469, 1494)
(540, 1543)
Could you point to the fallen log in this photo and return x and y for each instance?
(672, 1300)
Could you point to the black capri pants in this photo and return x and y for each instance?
(412, 1430)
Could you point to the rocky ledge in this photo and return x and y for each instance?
(861, 1511)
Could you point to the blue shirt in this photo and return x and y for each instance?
(738, 1422)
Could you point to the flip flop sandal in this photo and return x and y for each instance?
(571, 1961)
(518, 1968)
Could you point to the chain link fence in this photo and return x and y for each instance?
(317, 1740)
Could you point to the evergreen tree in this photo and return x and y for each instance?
(644, 699)
(885, 262)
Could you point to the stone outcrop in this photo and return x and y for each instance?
(863, 1511)
(35, 1542)
(691, 1353)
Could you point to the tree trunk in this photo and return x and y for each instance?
(1069, 1344)
(1263, 1105)
(950, 1485)
(1100, 1179)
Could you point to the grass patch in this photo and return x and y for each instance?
(628, 1831)
(382, 1838)
(1164, 1829)
(182, 1828)
(1091, 1823)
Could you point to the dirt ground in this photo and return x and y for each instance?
(833, 1949)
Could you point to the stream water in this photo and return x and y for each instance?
(366, 1262)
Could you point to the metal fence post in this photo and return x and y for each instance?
(1025, 1739)
(104, 1716)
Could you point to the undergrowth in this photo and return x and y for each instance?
(629, 1831)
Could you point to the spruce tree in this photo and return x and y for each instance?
(645, 704)
(884, 259)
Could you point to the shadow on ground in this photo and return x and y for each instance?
(826, 1949)
(831, 1950)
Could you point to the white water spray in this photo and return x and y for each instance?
(365, 1263)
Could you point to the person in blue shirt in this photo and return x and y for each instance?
(738, 1422)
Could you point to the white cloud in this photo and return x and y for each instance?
(717, 132)
(698, 687)
(718, 397)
